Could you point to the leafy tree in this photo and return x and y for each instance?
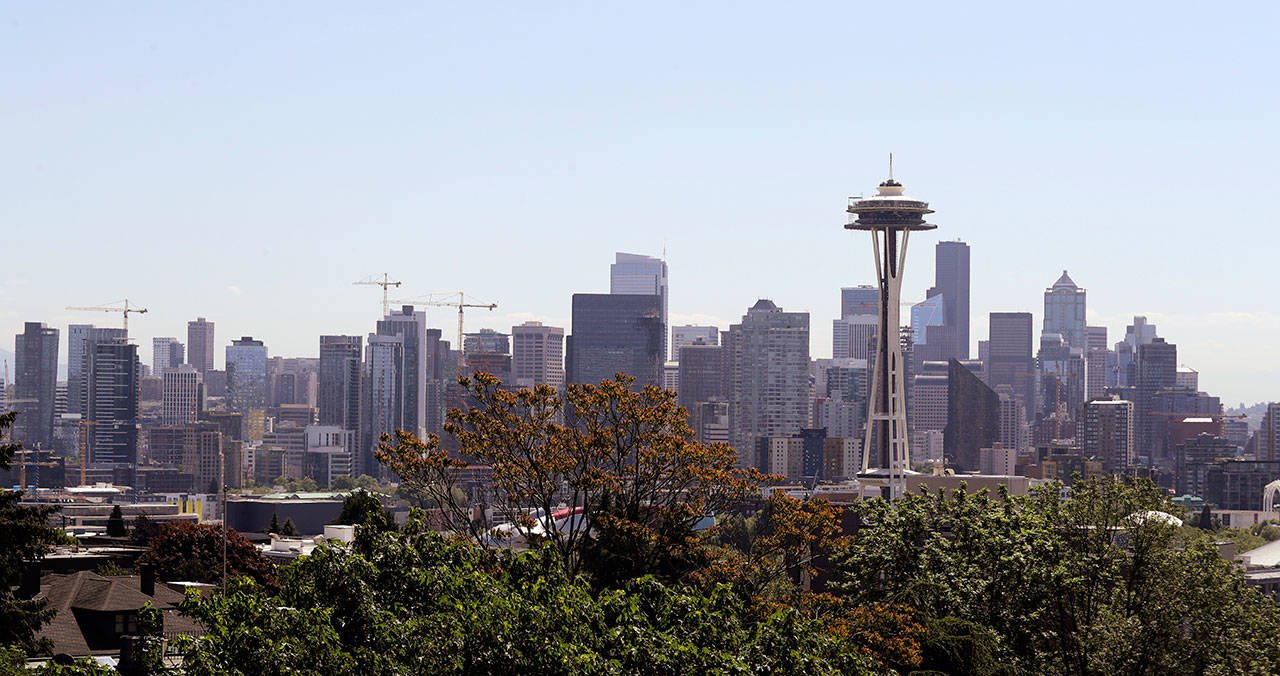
(182, 550)
(365, 509)
(110, 569)
(292, 485)
(415, 602)
(25, 536)
(1101, 583)
(289, 529)
(115, 523)
(625, 462)
(143, 530)
(346, 483)
(274, 526)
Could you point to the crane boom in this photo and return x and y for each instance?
(125, 310)
(384, 283)
(461, 304)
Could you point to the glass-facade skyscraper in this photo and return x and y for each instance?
(614, 333)
(644, 276)
(1064, 306)
(246, 375)
(35, 383)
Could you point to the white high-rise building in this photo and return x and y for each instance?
(182, 395)
(851, 336)
(690, 334)
(997, 460)
(641, 275)
(537, 355)
(768, 358)
(166, 353)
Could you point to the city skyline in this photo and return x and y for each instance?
(207, 158)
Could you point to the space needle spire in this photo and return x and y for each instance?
(890, 217)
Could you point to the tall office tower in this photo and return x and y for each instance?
(1107, 428)
(1014, 432)
(928, 312)
(1010, 361)
(292, 380)
(183, 395)
(615, 333)
(1062, 377)
(537, 355)
(1187, 379)
(112, 406)
(702, 378)
(891, 217)
(768, 376)
(1269, 434)
(643, 276)
(929, 397)
(1095, 337)
(328, 453)
(851, 336)
(166, 353)
(1156, 370)
(951, 281)
(486, 340)
(973, 416)
(200, 345)
(35, 382)
(383, 389)
(1136, 334)
(1064, 305)
(689, 334)
(1096, 368)
(863, 299)
(411, 326)
(81, 339)
(247, 375)
(339, 390)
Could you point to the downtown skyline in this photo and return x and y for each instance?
(1070, 145)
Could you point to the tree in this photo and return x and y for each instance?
(289, 529)
(346, 483)
(1104, 582)
(294, 485)
(365, 509)
(143, 530)
(25, 536)
(115, 523)
(191, 552)
(625, 462)
(413, 601)
(274, 526)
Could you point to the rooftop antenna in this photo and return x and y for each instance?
(890, 166)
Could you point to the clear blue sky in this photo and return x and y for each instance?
(248, 163)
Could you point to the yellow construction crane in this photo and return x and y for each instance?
(461, 303)
(125, 310)
(384, 283)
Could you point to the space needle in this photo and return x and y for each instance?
(890, 217)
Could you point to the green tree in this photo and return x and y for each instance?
(191, 552)
(362, 508)
(346, 483)
(289, 529)
(143, 530)
(25, 536)
(115, 523)
(274, 526)
(293, 485)
(413, 601)
(1104, 582)
(625, 462)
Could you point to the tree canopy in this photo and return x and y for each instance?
(25, 537)
(191, 552)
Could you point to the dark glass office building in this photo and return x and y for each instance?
(615, 333)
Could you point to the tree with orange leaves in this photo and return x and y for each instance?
(616, 489)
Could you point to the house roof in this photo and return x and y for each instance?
(79, 598)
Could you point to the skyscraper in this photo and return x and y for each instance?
(183, 395)
(81, 339)
(928, 312)
(411, 326)
(851, 336)
(113, 372)
(689, 334)
(537, 355)
(246, 375)
(166, 353)
(644, 276)
(200, 345)
(383, 389)
(486, 340)
(1011, 361)
(615, 333)
(1156, 371)
(973, 417)
(339, 389)
(1107, 431)
(1269, 433)
(859, 300)
(1064, 310)
(35, 383)
(768, 376)
(951, 281)
(702, 378)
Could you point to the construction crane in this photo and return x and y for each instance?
(122, 310)
(461, 304)
(84, 446)
(384, 283)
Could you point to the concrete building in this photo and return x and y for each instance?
(338, 395)
(997, 460)
(182, 395)
(486, 340)
(35, 384)
(537, 355)
(166, 353)
(1269, 433)
(382, 395)
(1106, 432)
(200, 342)
(1156, 371)
(329, 453)
(690, 334)
(851, 336)
(768, 375)
(859, 300)
(614, 333)
(643, 276)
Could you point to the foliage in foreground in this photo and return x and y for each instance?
(25, 536)
(413, 602)
(1095, 584)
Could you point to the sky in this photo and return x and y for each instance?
(248, 163)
